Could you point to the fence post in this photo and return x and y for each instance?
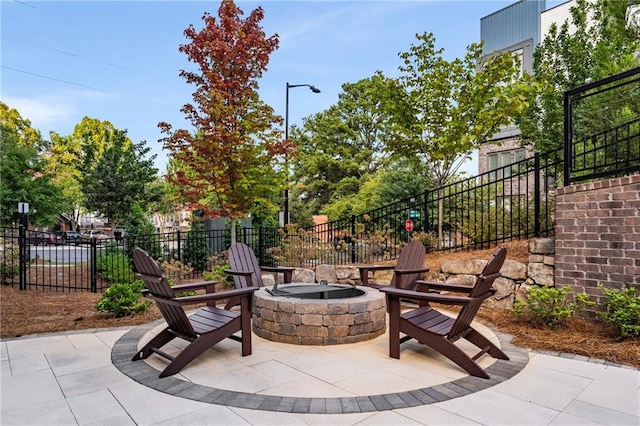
(353, 235)
(536, 195)
(93, 273)
(260, 236)
(23, 249)
(568, 130)
(426, 210)
(179, 242)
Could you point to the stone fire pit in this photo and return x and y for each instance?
(288, 319)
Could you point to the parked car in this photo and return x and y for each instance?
(40, 237)
(70, 237)
(96, 233)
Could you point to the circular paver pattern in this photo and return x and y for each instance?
(141, 372)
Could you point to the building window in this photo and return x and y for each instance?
(519, 54)
(498, 162)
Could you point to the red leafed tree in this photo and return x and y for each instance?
(229, 160)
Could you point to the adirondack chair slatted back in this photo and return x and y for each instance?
(411, 257)
(483, 284)
(242, 258)
(150, 272)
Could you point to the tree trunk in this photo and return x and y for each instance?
(440, 216)
(233, 230)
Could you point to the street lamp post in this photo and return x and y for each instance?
(286, 136)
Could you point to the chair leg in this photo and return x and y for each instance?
(482, 342)
(158, 341)
(393, 306)
(245, 325)
(442, 345)
(457, 355)
(195, 349)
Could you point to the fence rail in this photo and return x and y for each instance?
(602, 128)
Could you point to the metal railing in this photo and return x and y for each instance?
(602, 128)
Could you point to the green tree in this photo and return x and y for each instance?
(118, 179)
(230, 161)
(448, 108)
(65, 155)
(23, 177)
(578, 52)
(340, 149)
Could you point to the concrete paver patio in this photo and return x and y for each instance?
(87, 378)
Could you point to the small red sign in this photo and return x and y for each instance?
(408, 225)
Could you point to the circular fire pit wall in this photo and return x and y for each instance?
(319, 321)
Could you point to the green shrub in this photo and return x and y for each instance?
(115, 266)
(9, 261)
(622, 310)
(123, 299)
(428, 239)
(550, 306)
(196, 247)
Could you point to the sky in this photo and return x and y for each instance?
(118, 61)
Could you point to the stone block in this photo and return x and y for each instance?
(311, 331)
(514, 270)
(314, 320)
(462, 279)
(338, 331)
(347, 272)
(549, 260)
(536, 258)
(301, 275)
(542, 246)
(463, 267)
(326, 273)
(541, 274)
(268, 280)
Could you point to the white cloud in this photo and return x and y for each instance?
(42, 111)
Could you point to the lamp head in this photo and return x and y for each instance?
(314, 89)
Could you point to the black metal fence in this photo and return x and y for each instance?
(602, 128)
(36, 260)
(472, 213)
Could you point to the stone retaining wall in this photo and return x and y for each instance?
(516, 276)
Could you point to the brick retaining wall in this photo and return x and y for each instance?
(598, 235)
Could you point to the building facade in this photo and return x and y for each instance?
(515, 29)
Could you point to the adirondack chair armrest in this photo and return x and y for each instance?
(240, 273)
(445, 299)
(429, 285)
(277, 268)
(375, 267)
(411, 271)
(287, 271)
(203, 298)
(209, 286)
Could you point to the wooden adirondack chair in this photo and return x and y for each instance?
(406, 271)
(204, 328)
(440, 331)
(247, 273)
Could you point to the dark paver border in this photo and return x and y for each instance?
(124, 349)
